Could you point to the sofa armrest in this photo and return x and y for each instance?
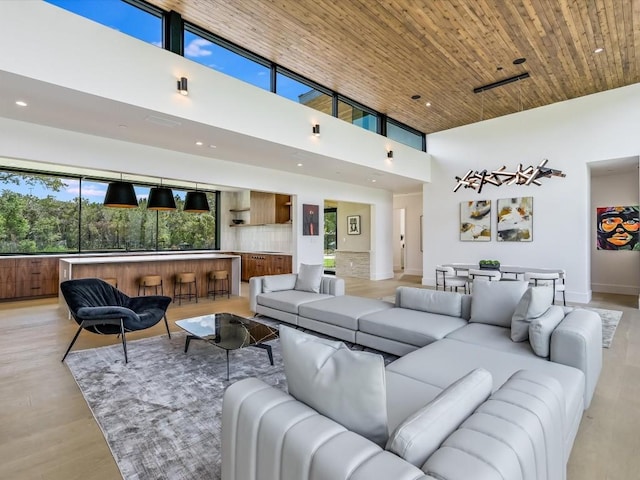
(267, 431)
(577, 342)
(255, 289)
(332, 285)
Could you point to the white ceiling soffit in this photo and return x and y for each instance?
(102, 117)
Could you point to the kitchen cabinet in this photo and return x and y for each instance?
(258, 264)
(28, 277)
(265, 209)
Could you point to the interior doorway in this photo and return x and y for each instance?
(330, 239)
(399, 236)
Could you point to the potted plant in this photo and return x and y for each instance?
(489, 265)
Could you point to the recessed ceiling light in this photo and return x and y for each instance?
(373, 181)
(415, 97)
(299, 164)
(122, 126)
(21, 103)
(598, 50)
(519, 61)
(428, 104)
(212, 146)
(199, 143)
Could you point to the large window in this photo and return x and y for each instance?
(218, 57)
(296, 89)
(40, 213)
(403, 134)
(357, 115)
(144, 24)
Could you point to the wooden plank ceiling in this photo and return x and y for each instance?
(380, 53)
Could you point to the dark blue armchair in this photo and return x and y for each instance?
(101, 308)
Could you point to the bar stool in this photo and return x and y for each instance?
(216, 277)
(111, 281)
(150, 281)
(188, 279)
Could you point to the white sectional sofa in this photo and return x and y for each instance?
(524, 430)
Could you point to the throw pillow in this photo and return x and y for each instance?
(534, 302)
(541, 328)
(347, 386)
(493, 303)
(421, 434)
(277, 283)
(309, 278)
(444, 303)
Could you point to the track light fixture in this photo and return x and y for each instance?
(316, 129)
(182, 86)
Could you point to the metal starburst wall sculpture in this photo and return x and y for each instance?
(522, 176)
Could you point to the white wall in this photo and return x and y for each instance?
(570, 134)
(41, 41)
(412, 203)
(614, 271)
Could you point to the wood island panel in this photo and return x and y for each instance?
(128, 270)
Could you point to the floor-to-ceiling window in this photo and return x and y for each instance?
(47, 213)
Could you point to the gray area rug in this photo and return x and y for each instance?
(610, 320)
(161, 412)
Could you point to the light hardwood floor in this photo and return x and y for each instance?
(48, 432)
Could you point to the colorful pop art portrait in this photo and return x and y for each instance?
(617, 228)
(475, 221)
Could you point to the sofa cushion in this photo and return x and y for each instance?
(346, 386)
(309, 278)
(343, 310)
(490, 336)
(409, 326)
(443, 303)
(534, 302)
(421, 434)
(541, 328)
(494, 302)
(288, 300)
(276, 283)
(426, 364)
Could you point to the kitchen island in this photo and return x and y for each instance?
(127, 269)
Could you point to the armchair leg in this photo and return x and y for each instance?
(166, 324)
(124, 341)
(72, 342)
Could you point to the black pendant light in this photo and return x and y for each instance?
(196, 202)
(120, 195)
(161, 198)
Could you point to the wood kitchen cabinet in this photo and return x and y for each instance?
(28, 277)
(265, 209)
(258, 264)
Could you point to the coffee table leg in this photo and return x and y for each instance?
(187, 341)
(266, 347)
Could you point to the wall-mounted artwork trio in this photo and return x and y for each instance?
(617, 228)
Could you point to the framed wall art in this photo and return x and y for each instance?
(475, 221)
(353, 224)
(515, 219)
(617, 228)
(310, 220)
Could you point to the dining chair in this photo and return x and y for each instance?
(446, 278)
(554, 280)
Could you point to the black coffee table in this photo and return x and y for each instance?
(229, 332)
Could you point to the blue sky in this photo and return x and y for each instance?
(137, 23)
